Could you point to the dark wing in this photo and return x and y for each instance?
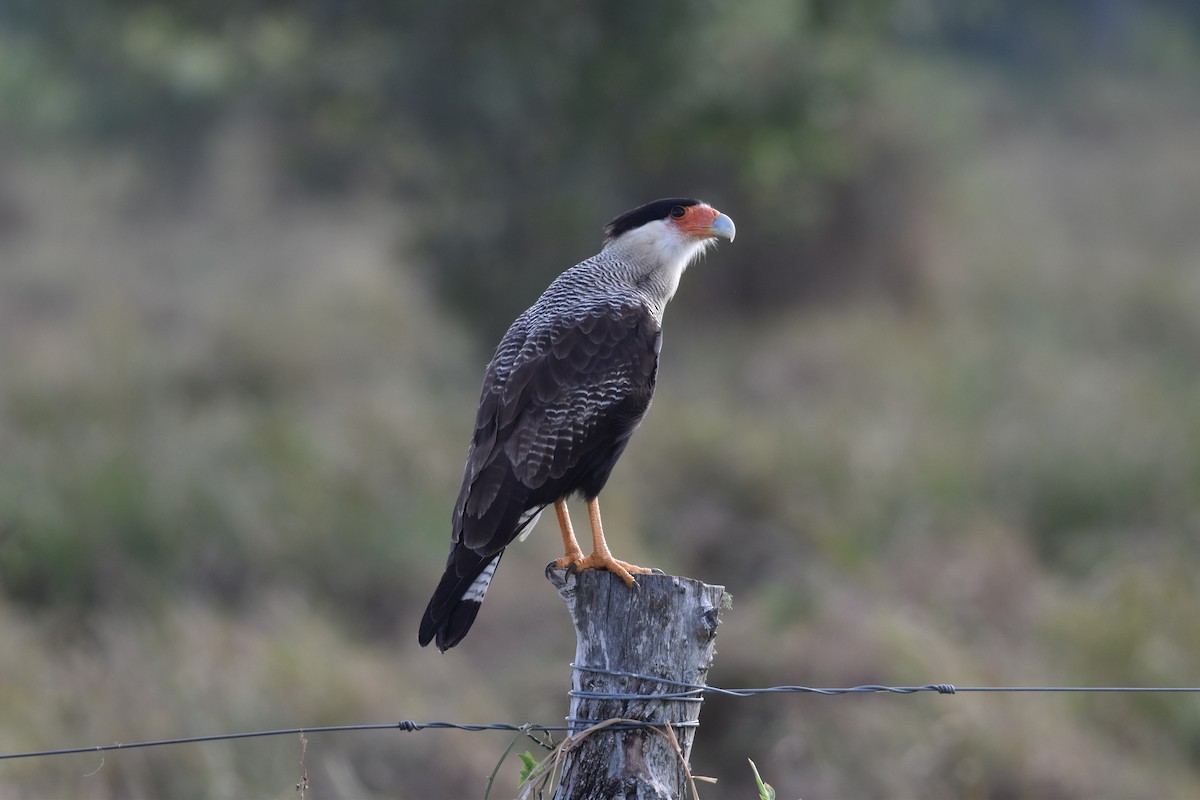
(554, 419)
(559, 403)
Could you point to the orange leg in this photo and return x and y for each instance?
(573, 554)
(600, 558)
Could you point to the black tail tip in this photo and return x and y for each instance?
(450, 630)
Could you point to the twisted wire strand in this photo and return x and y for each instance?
(403, 725)
(940, 688)
(684, 691)
(691, 691)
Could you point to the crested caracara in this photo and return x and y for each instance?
(567, 386)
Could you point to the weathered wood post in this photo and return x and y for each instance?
(665, 628)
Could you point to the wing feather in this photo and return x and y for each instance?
(548, 404)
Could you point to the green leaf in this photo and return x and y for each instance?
(529, 769)
(765, 790)
(491, 781)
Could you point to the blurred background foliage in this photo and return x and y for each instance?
(933, 417)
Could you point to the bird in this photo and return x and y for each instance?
(567, 386)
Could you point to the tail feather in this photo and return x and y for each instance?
(457, 598)
(460, 592)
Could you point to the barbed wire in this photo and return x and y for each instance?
(683, 691)
(693, 691)
(406, 725)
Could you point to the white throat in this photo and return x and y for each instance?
(659, 253)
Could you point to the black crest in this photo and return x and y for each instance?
(656, 209)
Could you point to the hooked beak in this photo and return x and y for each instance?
(722, 227)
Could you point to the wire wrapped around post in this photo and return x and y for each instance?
(665, 628)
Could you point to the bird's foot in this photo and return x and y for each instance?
(568, 561)
(576, 562)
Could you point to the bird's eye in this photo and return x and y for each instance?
(678, 211)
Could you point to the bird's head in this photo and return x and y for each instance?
(681, 218)
(662, 237)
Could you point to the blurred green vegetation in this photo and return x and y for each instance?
(487, 122)
(932, 418)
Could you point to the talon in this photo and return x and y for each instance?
(622, 569)
(634, 568)
(569, 562)
(574, 562)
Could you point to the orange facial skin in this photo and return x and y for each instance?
(703, 222)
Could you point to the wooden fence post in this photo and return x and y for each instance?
(666, 628)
